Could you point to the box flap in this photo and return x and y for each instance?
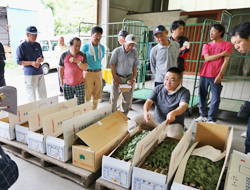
(182, 167)
(179, 151)
(102, 132)
(52, 124)
(146, 143)
(211, 134)
(10, 99)
(35, 116)
(228, 148)
(54, 141)
(35, 136)
(23, 110)
(4, 125)
(21, 128)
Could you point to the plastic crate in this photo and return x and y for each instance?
(107, 75)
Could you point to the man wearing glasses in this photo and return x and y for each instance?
(93, 77)
(171, 101)
(71, 66)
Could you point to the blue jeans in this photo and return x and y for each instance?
(212, 114)
(158, 83)
(247, 142)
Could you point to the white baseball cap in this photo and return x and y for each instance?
(131, 39)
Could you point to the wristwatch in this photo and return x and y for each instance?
(79, 63)
(134, 79)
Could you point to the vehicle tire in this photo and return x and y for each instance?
(45, 68)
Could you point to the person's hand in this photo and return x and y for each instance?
(74, 60)
(147, 116)
(217, 80)
(39, 60)
(226, 54)
(131, 82)
(170, 117)
(116, 82)
(35, 64)
(61, 84)
(183, 48)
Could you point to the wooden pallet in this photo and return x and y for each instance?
(66, 170)
(102, 184)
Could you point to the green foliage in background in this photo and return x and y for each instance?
(10, 64)
(69, 13)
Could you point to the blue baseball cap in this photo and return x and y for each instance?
(159, 29)
(31, 30)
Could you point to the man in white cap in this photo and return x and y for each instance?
(29, 54)
(124, 62)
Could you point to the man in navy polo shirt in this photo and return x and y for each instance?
(29, 54)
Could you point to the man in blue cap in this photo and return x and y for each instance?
(164, 55)
(29, 54)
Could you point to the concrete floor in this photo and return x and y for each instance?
(34, 177)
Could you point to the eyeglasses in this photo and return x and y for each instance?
(170, 80)
(76, 46)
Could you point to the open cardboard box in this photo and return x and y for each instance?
(144, 179)
(34, 122)
(52, 125)
(119, 171)
(238, 172)
(207, 134)
(61, 149)
(7, 128)
(101, 137)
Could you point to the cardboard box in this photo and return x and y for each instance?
(34, 119)
(144, 179)
(206, 134)
(238, 172)
(101, 138)
(61, 149)
(7, 130)
(52, 125)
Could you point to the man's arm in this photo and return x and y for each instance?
(114, 75)
(146, 108)
(215, 57)
(61, 75)
(152, 62)
(178, 111)
(134, 75)
(217, 80)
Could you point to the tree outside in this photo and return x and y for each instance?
(69, 13)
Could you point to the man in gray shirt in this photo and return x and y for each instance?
(171, 101)
(164, 55)
(124, 62)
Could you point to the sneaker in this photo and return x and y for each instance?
(244, 134)
(212, 122)
(202, 119)
(100, 100)
(61, 94)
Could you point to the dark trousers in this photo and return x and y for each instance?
(247, 142)
(61, 90)
(212, 114)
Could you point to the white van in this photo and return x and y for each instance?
(48, 48)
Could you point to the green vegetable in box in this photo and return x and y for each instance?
(202, 173)
(159, 159)
(127, 149)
